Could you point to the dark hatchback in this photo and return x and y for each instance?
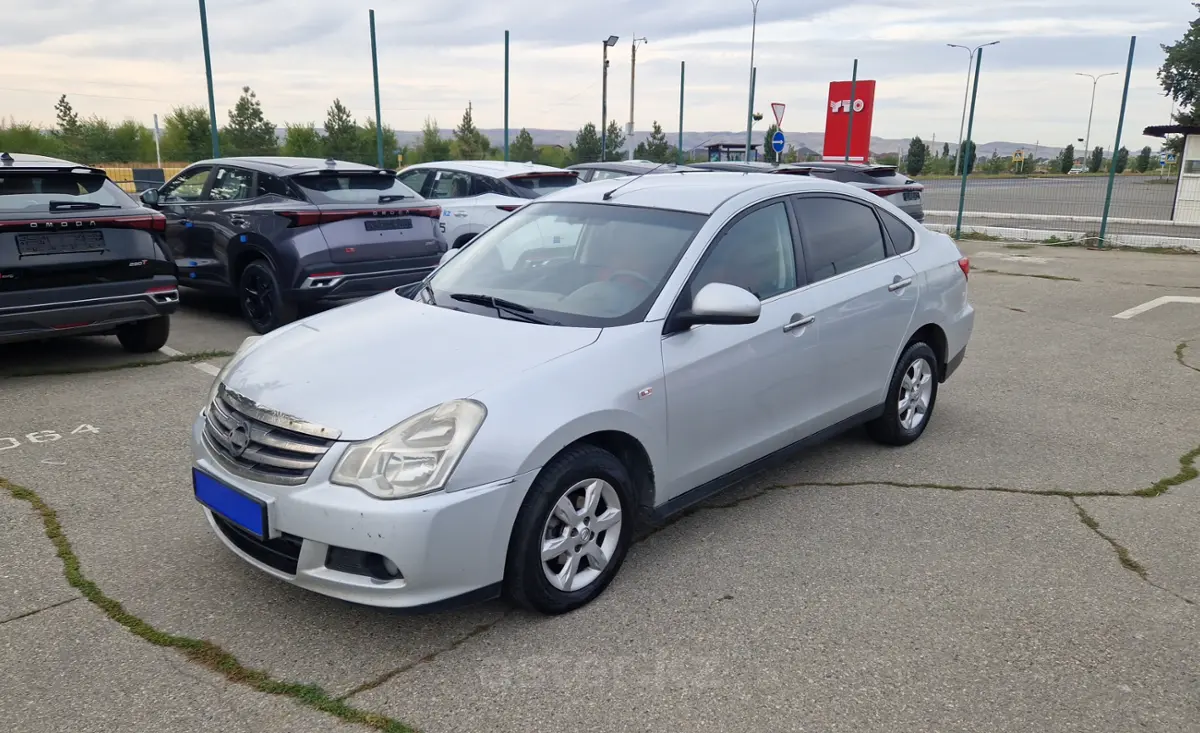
(78, 256)
(282, 232)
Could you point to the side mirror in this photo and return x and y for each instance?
(150, 197)
(447, 256)
(721, 304)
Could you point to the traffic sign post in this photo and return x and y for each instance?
(778, 141)
(778, 108)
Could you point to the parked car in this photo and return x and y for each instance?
(78, 256)
(885, 181)
(603, 171)
(736, 166)
(694, 329)
(284, 232)
(476, 194)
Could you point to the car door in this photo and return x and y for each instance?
(867, 299)
(465, 213)
(179, 200)
(222, 219)
(737, 393)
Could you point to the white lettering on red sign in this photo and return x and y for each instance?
(843, 105)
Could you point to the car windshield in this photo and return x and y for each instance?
(343, 187)
(570, 264)
(49, 191)
(534, 186)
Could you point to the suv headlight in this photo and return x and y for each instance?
(238, 355)
(415, 457)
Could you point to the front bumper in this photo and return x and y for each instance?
(447, 545)
(85, 309)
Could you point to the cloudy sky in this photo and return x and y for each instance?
(134, 58)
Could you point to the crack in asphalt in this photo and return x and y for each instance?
(211, 656)
(36, 611)
(1182, 347)
(181, 358)
(1039, 276)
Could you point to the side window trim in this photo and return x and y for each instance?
(683, 298)
(888, 250)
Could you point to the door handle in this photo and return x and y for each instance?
(238, 221)
(899, 284)
(798, 321)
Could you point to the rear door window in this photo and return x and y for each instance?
(450, 185)
(838, 235)
(902, 237)
(231, 184)
(59, 191)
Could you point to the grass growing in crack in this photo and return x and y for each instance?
(185, 358)
(1182, 347)
(1038, 275)
(202, 652)
(1123, 555)
(1187, 472)
(1019, 245)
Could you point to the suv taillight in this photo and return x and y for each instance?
(312, 218)
(964, 264)
(154, 222)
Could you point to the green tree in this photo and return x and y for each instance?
(656, 147)
(556, 155)
(433, 147)
(1096, 159)
(303, 141)
(1121, 162)
(522, 149)
(1180, 71)
(914, 162)
(614, 142)
(587, 145)
(1142, 164)
(27, 138)
(341, 132)
(367, 150)
(69, 130)
(249, 132)
(1066, 159)
(769, 155)
(945, 150)
(186, 135)
(469, 142)
(969, 151)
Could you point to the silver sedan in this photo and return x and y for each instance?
(609, 354)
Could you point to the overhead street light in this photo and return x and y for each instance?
(607, 44)
(632, 80)
(750, 104)
(966, 93)
(1088, 140)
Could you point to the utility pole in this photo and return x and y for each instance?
(1087, 144)
(632, 81)
(212, 104)
(966, 93)
(750, 110)
(607, 44)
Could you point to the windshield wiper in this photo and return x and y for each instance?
(79, 205)
(501, 305)
(387, 198)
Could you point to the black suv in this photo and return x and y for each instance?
(78, 256)
(281, 232)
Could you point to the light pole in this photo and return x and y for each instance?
(1087, 150)
(750, 104)
(966, 93)
(607, 43)
(632, 80)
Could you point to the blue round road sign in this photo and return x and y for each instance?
(777, 141)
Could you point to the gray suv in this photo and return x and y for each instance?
(281, 232)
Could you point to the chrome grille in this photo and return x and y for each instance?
(254, 443)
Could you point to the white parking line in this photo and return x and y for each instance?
(1138, 310)
(209, 369)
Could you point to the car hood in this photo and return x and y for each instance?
(365, 367)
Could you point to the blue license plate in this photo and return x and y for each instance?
(247, 513)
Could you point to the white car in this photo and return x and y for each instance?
(475, 194)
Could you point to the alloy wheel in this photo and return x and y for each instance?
(581, 534)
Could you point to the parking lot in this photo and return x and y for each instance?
(1028, 565)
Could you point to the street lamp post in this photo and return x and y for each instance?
(608, 43)
(632, 81)
(750, 104)
(1087, 150)
(966, 93)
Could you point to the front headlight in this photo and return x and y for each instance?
(415, 457)
(238, 355)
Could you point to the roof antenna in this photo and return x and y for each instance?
(608, 194)
(6, 159)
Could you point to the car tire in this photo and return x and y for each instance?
(144, 337)
(261, 298)
(575, 474)
(915, 377)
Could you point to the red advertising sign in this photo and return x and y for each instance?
(837, 119)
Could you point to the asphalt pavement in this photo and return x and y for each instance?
(1027, 565)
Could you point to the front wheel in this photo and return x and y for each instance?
(572, 533)
(911, 396)
(262, 299)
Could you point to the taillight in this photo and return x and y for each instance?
(312, 218)
(888, 191)
(508, 207)
(964, 264)
(162, 289)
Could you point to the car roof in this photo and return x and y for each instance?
(40, 162)
(700, 194)
(285, 165)
(631, 166)
(493, 168)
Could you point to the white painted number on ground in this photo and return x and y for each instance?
(42, 436)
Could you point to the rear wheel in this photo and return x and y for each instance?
(143, 337)
(261, 298)
(910, 398)
(572, 533)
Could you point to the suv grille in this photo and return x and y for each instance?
(251, 443)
